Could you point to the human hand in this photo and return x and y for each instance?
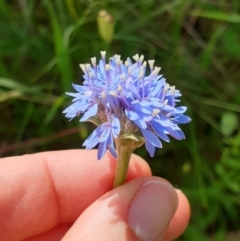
(68, 196)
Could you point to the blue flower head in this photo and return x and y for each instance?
(127, 104)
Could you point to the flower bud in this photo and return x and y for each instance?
(106, 25)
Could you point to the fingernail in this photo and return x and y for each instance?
(151, 210)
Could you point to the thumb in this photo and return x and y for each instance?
(138, 210)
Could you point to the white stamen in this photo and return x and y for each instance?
(119, 88)
(113, 93)
(141, 75)
(103, 54)
(136, 57)
(117, 56)
(155, 112)
(88, 67)
(165, 102)
(151, 63)
(82, 66)
(156, 70)
(166, 88)
(126, 63)
(94, 61)
(103, 94)
(118, 59)
(107, 67)
(172, 88)
(141, 59)
(144, 64)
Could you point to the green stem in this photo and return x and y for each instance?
(123, 158)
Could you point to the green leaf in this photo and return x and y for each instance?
(5, 95)
(216, 15)
(14, 85)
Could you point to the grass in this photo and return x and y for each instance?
(196, 42)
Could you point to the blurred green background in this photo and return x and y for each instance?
(197, 44)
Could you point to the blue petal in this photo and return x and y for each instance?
(72, 107)
(131, 115)
(182, 119)
(151, 138)
(168, 108)
(112, 150)
(113, 101)
(144, 103)
(163, 121)
(79, 88)
(102, 148)
(163, 136)
(180, 109)
(131, 86)
(157, 105)
(90, 112)
(147, 118)
(156, 90)
(103, 132)
(140, 123)
(142, 107)
(150, 148)
(177, 134)
(135, 101)
(116, 127)
(72, 114)
(74, 94)
(160, 131)
(101, 67)
(91, 141)
(111, 147)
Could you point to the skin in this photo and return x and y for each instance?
(58, 196)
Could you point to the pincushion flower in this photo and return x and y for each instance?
(130, 105)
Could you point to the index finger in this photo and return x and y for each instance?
(42, 190)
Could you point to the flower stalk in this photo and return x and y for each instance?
(123, 158)
(125, 144)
